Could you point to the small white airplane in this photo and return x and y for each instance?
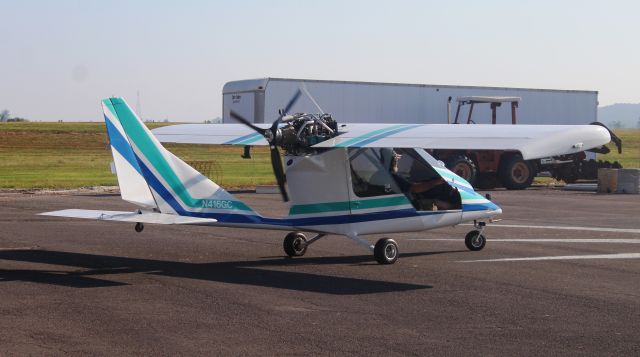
(345, 179)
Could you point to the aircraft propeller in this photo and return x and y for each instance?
(272, 135)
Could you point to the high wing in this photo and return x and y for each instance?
(230, 134)
(532, 141)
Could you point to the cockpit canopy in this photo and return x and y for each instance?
(390, 171)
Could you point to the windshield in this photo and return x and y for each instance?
(388, 171)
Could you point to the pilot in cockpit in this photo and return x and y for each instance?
(422, 184)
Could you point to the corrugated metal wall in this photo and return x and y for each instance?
(352, 102)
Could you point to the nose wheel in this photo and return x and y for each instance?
(475, 240)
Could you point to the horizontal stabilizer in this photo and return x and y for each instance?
(123, 216)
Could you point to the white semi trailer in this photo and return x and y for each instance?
(259, 100)
(367, 102)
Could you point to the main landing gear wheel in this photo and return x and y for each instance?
(295, 244)
(139, 227)
(475, 241)
(386, 251)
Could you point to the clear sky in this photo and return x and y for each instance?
(59, 58)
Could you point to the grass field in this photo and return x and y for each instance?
(630, 157)
(70, 155)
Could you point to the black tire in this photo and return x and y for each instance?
(386, 251)
(475, 241)
(139, 227)
(515, 173)
(295, 244)
(463, 166)
(569, 172)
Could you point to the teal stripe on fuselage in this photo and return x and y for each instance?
(466, 195)
(349, 205)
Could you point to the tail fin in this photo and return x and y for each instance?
(151, 176)
(133, 187)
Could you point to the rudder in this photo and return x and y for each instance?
(133, 186)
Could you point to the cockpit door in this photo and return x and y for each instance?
(438, 189)
(373, 187)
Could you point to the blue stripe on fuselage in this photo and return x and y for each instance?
(288, 222)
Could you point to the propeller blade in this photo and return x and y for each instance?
(276, 123)
(278, 171)
(244, 121)
(292, 101)
(271, 135)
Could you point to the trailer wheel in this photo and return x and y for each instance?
(463, 166)
(515, 173)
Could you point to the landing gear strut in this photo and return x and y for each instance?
(475, 240)
(385, 250)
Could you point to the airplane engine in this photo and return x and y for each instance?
(305, 130)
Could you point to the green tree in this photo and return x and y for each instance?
(4, 116)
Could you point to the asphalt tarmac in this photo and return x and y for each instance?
(559, 275)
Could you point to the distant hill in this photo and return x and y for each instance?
(627, 114)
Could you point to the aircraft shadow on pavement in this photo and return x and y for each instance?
(95, 267)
